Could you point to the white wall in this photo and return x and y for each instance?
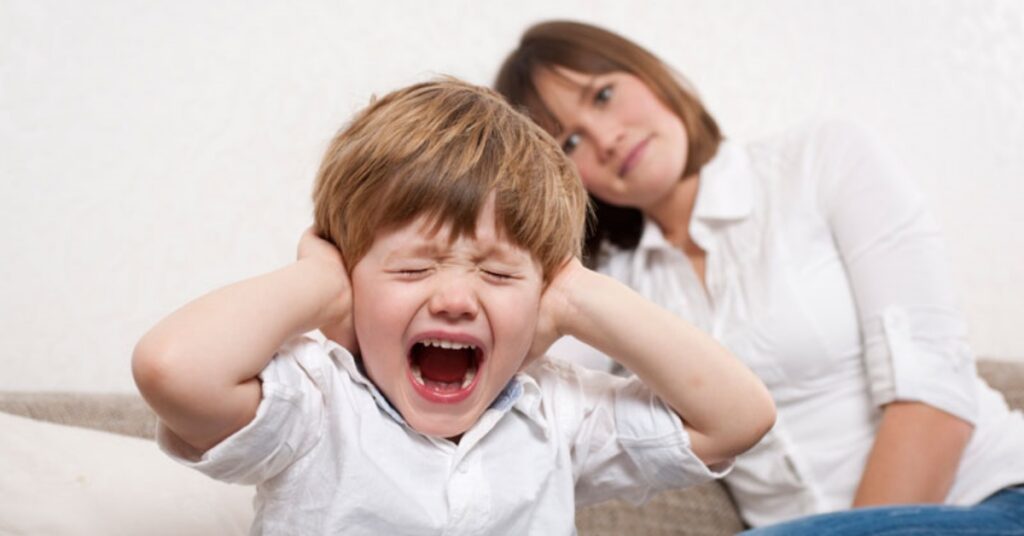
(150, 152)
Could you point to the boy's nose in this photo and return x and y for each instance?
(454, 298)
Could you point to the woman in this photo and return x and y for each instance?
(814, 260)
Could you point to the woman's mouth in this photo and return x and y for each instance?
(633, 158)
(444, 371)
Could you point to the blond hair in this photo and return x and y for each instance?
(441, 149)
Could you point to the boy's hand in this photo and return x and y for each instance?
(556, 307)
(312, 248)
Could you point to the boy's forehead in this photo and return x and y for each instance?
(423, 237)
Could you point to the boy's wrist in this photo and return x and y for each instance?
(596, 308)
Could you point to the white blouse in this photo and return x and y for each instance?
(826, 275)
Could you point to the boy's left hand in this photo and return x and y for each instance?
(556, 306)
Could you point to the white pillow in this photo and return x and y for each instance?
(62, 480)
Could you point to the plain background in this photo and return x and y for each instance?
(153, 151)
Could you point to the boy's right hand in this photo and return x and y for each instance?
(316, 250)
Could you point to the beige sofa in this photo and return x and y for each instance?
(705, 510)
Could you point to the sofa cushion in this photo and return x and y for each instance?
(1007, 377)
(61, 480)
(122, 413)
(705, 510)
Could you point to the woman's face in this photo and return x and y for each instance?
(629, 148)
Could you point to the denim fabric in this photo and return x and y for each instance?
(1000, 514)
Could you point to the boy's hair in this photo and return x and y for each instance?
(440, 149)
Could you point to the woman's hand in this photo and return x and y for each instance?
(316, 250)
(556, 307)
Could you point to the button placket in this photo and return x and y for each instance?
(468, 498)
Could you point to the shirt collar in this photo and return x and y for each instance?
(354, 368)
(726, 185)
(725, 194)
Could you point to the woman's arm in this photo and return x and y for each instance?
(198, 367)
(915, 456)
(916, 351)
(723, 405)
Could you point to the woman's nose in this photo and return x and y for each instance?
(607, 135)
(455, 298)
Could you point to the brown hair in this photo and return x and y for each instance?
(440, 149)
(589, 49)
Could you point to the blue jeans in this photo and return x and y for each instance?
(1002, 514)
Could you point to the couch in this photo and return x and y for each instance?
(174, 500)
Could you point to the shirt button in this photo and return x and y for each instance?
(463, 469)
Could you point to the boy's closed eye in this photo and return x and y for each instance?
(411, 272)
(501, 276)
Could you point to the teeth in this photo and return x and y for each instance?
(470, 374)
(417, 374)
(448, 345)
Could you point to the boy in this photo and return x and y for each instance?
(458, 223)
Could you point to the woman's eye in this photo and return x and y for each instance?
(603, 95)
(570, 143)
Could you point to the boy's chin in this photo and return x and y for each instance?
(450, 428)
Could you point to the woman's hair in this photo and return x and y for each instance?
(441, 149)
(592, 50)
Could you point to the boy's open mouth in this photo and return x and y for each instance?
(442, 370)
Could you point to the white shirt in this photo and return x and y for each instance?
(826, 276)
(330, 455)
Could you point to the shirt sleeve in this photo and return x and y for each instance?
(626, 443)
(289, 420)
(574, 351)
(913, 330)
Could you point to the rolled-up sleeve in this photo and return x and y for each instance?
(913, 329)
(289, 420)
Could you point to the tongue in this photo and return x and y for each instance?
(443, 365)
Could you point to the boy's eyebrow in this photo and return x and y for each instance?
(423, 249)
(503, 252)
